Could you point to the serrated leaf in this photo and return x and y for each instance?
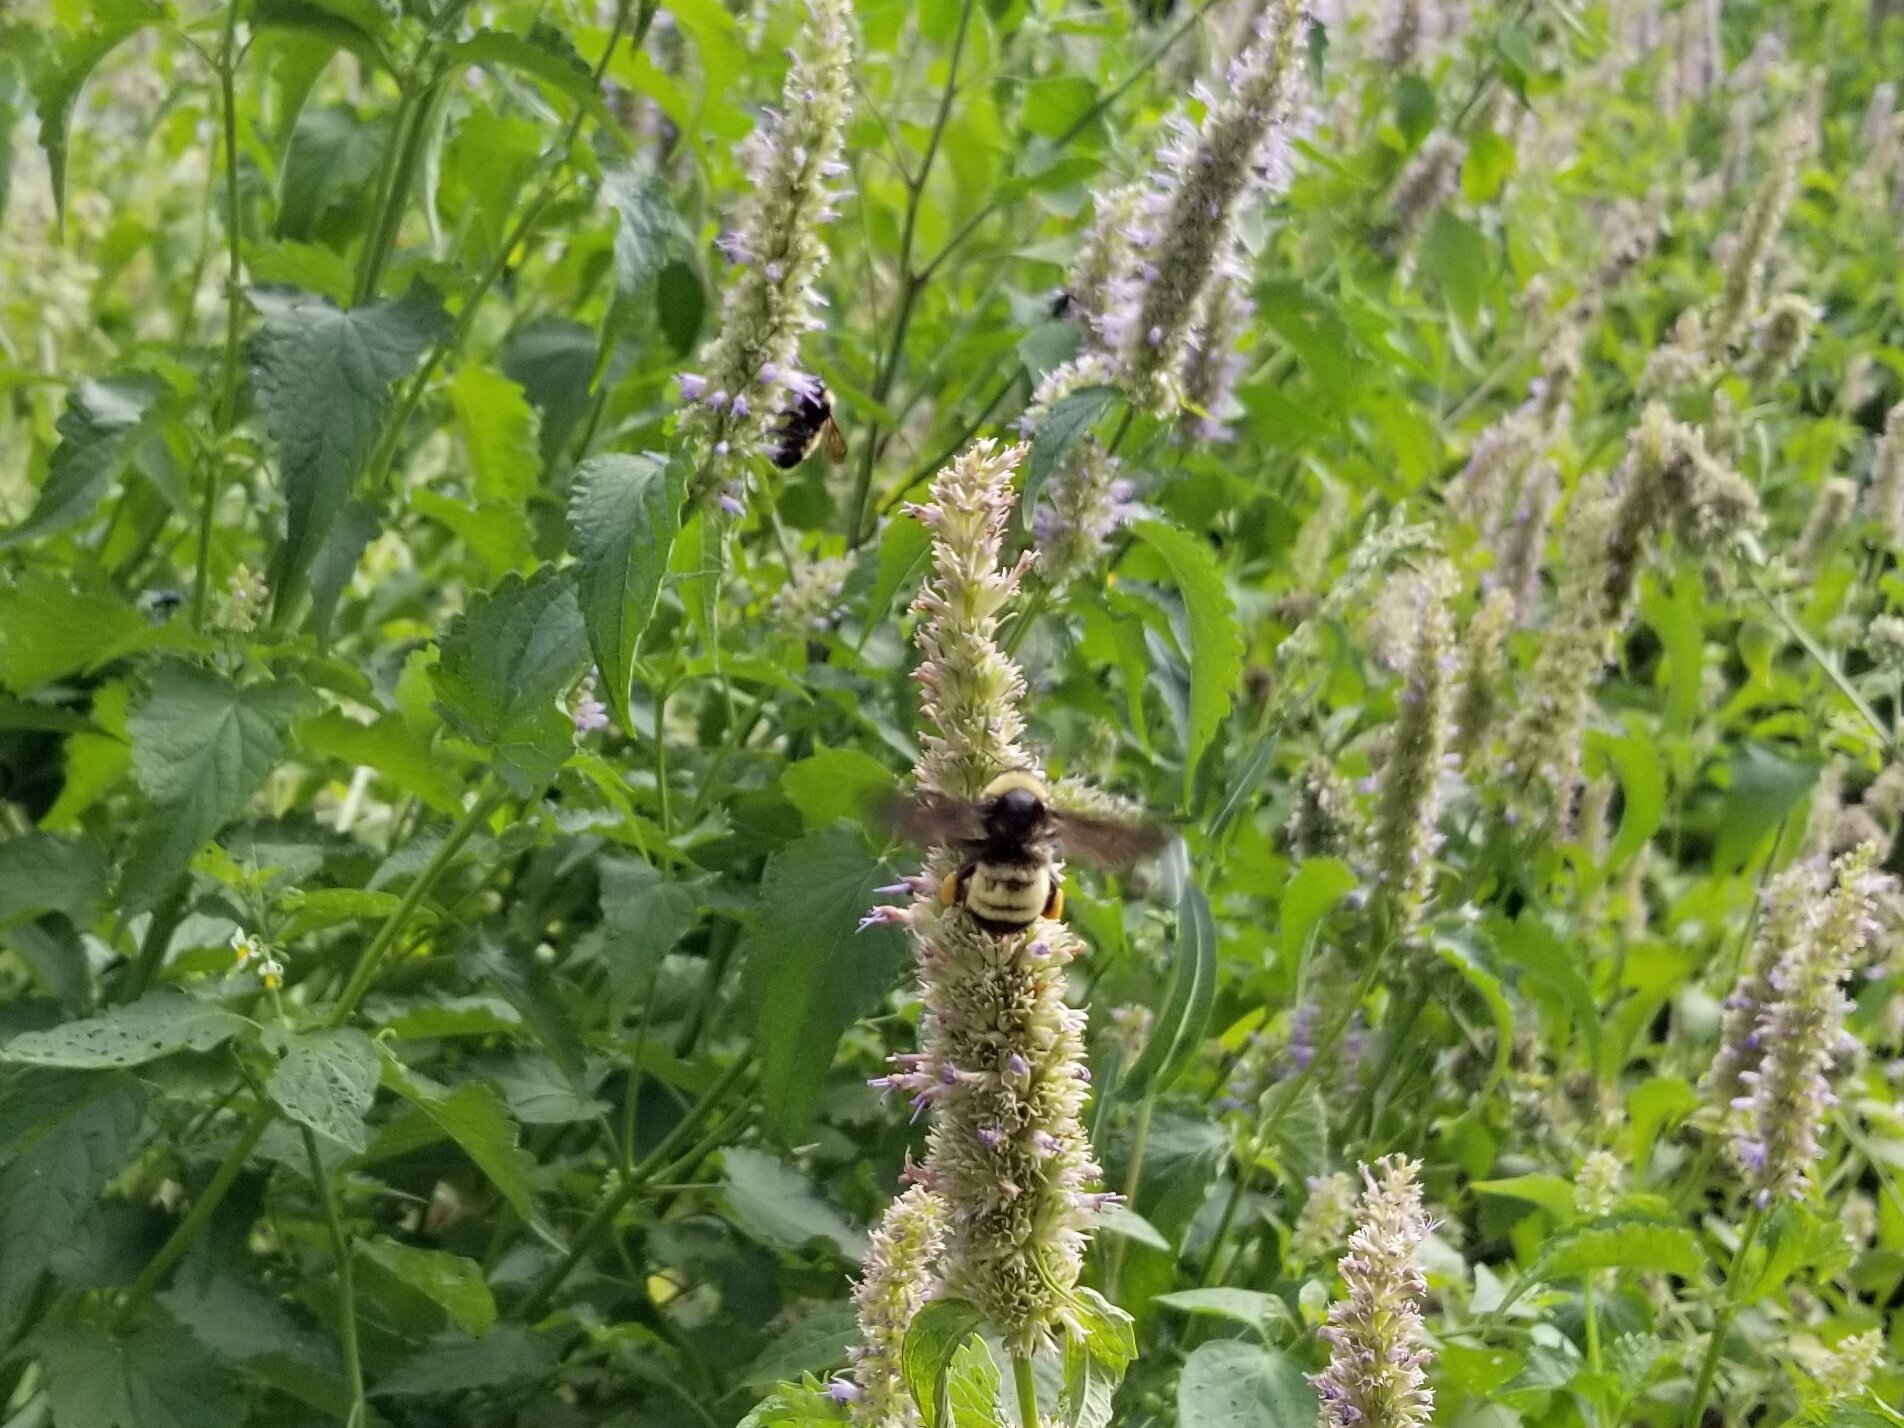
(473, 1117)
(647, 229)
(544, 55)
(156, 1378)
(448, 1280)
(53, 625)
(810, 971)
(40, 874)
(201, 746)
(971, 1386)
(811, 1345)
(1216, 640)
(323, 378)
(327, 1081)
(505, 664)
(644, 913)
(505, 1355)
(1795, 1238)
(1232, 1384)
(498, 428)
(1640, 1244)
(65, 68)
(158, 1024)
(777, 1205)
(103, 424)
(55, 1181)
(934, 1337)
(624, 514)
(1062, 428)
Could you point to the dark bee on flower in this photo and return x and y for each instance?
(1010, 838)
(1060, 303)
(807, 422)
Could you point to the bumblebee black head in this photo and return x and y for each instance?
(1014, 803)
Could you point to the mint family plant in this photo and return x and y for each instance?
(1443, 460)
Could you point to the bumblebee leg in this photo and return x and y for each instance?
(949, 889)
(1054, 905)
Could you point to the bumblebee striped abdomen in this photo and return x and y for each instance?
(1004, 897)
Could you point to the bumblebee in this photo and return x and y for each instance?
(806, 423)
(1010, 838)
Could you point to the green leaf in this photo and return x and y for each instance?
(971, 1386)
(1108, 1330)
(55, 1181)
(52, 626)
(934, 1337)
(1232, 1384)
(1489, 988)
(1185, 1017)
(40, 874)
(505, 1355)
(64, 68)
(1062, 428)
(360, 26)
(1455, 255)
(814, 1344)
(644, 913)
(648, 231)
(201, 746)
(1127, 1224)
(834, 784)
(498, 427)
(1653, 1104)
(810, 971)
(157, 1378)
(327, 1081)
(541, 1093)
(1312, 893)
(1241, 1306)
(1763, 789)
(448, 1280)
(902, 550)
(506, 663)
(158, 1024)
(1550, 1192)
(1216, 640)
(775, 1204)
(473, 1117)
(102, 426)
(681, 304)
(323, 380)
(1635, 759)
(390, 746)
(543, 55)
(1795, 1238)
(624, 513)
(1636, 1244)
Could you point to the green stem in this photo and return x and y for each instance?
(1592, 1313)
(1027, 1390)
(661, 761)
(200, 1214)
(910, 283)
(1369, 1102)
(393, 927)
(227, 411)
(406, 151)
(1133, 1177)
(346, 1282)
(1722, 1321)
(592, 1229)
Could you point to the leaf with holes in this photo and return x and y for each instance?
(327, 1081)
(156, 1025)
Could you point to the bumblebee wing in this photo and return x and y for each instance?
(929, 819)
(1108, 842)
(833, 441)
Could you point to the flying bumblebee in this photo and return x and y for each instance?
(1010, 838)
(806, 423)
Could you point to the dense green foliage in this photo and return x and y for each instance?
(434, 775)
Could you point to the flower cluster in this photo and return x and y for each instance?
(1779, 338)
(1748, 251)
(586, 710)
(1376, 1376)
(895, 1283)
(1185, 225)
(1599, 1185)
(1884, 497)
(1800, 1030)
(1323, 1223)
(1000, 1063)
(752, 371)
(1408, 798)
(809, 603)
